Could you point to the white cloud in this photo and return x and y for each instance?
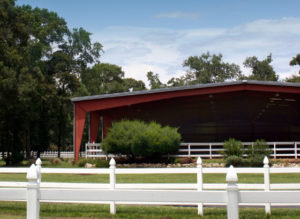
(139, 50)
(178, 14)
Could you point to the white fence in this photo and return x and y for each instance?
(205, 150)
(51, 154)
(211, 150)
(155, 193)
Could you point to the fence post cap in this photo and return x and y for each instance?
(38, 161)
(32, 173)
(112, 162)
(266, 160)
(199, 161)
(231, 175)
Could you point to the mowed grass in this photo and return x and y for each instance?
(153, 178)
(17, 210)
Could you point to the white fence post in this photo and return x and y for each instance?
(232, 194)
(199, 183)
(33, 211)
(267, 182)
(274, 145)
(210, 153)
(38, 164)
(189, 150)
(112, 179)
(296, 150)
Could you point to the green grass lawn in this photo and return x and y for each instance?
(17, 210)
(154, 178)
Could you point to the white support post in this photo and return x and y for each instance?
(232, 194)
(189, 150)
(33, 211)
(296, 150)
(200, 183)
(112, 179)
(267, 182)
(38, 164)
(274, 150)
(210, 153)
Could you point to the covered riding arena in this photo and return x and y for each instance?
(244, 110)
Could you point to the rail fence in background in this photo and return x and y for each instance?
(205, 150)
(211, 150)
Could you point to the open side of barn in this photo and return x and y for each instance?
(245, 110)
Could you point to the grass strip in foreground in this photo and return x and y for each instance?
(17, 210)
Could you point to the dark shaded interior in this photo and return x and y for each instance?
(244, 115)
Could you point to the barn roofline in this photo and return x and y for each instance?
(189, 87)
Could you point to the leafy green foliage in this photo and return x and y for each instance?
(257, 152)
(106, 78)
(293, 62)
(233, 147)
(234, 160)
(209, 68)
(136, 138)
(36, 80)
(154, 81)
(261, 70)
(259, 149)
(234, 151)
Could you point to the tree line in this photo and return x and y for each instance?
(43, 63)
(210, 68)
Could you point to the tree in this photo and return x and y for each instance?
(154, 81)
(133, 85)
(66, 66)
(261, 70)
(295, 78)
(103, 78)
(107, 78)
(207, 68)
(36, 81)
(295, 60)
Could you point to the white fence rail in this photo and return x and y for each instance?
(114, 193)
(212, 150)
(205, 150)
(50, 154)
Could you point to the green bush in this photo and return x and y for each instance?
(102, 163)
(83, 161)
(235, 161)
(257, 152)
(259, 149)
(233, 147)
(139, 139)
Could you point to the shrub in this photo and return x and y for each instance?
(185, 160)
(138, 139)
(83, 161)
(257, 152)
(236, 161)
(56, 161)
(102, 163)
(260, 149)
(233, 147)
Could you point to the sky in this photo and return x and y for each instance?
(158, 35)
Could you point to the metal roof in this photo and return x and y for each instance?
(189, 87)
